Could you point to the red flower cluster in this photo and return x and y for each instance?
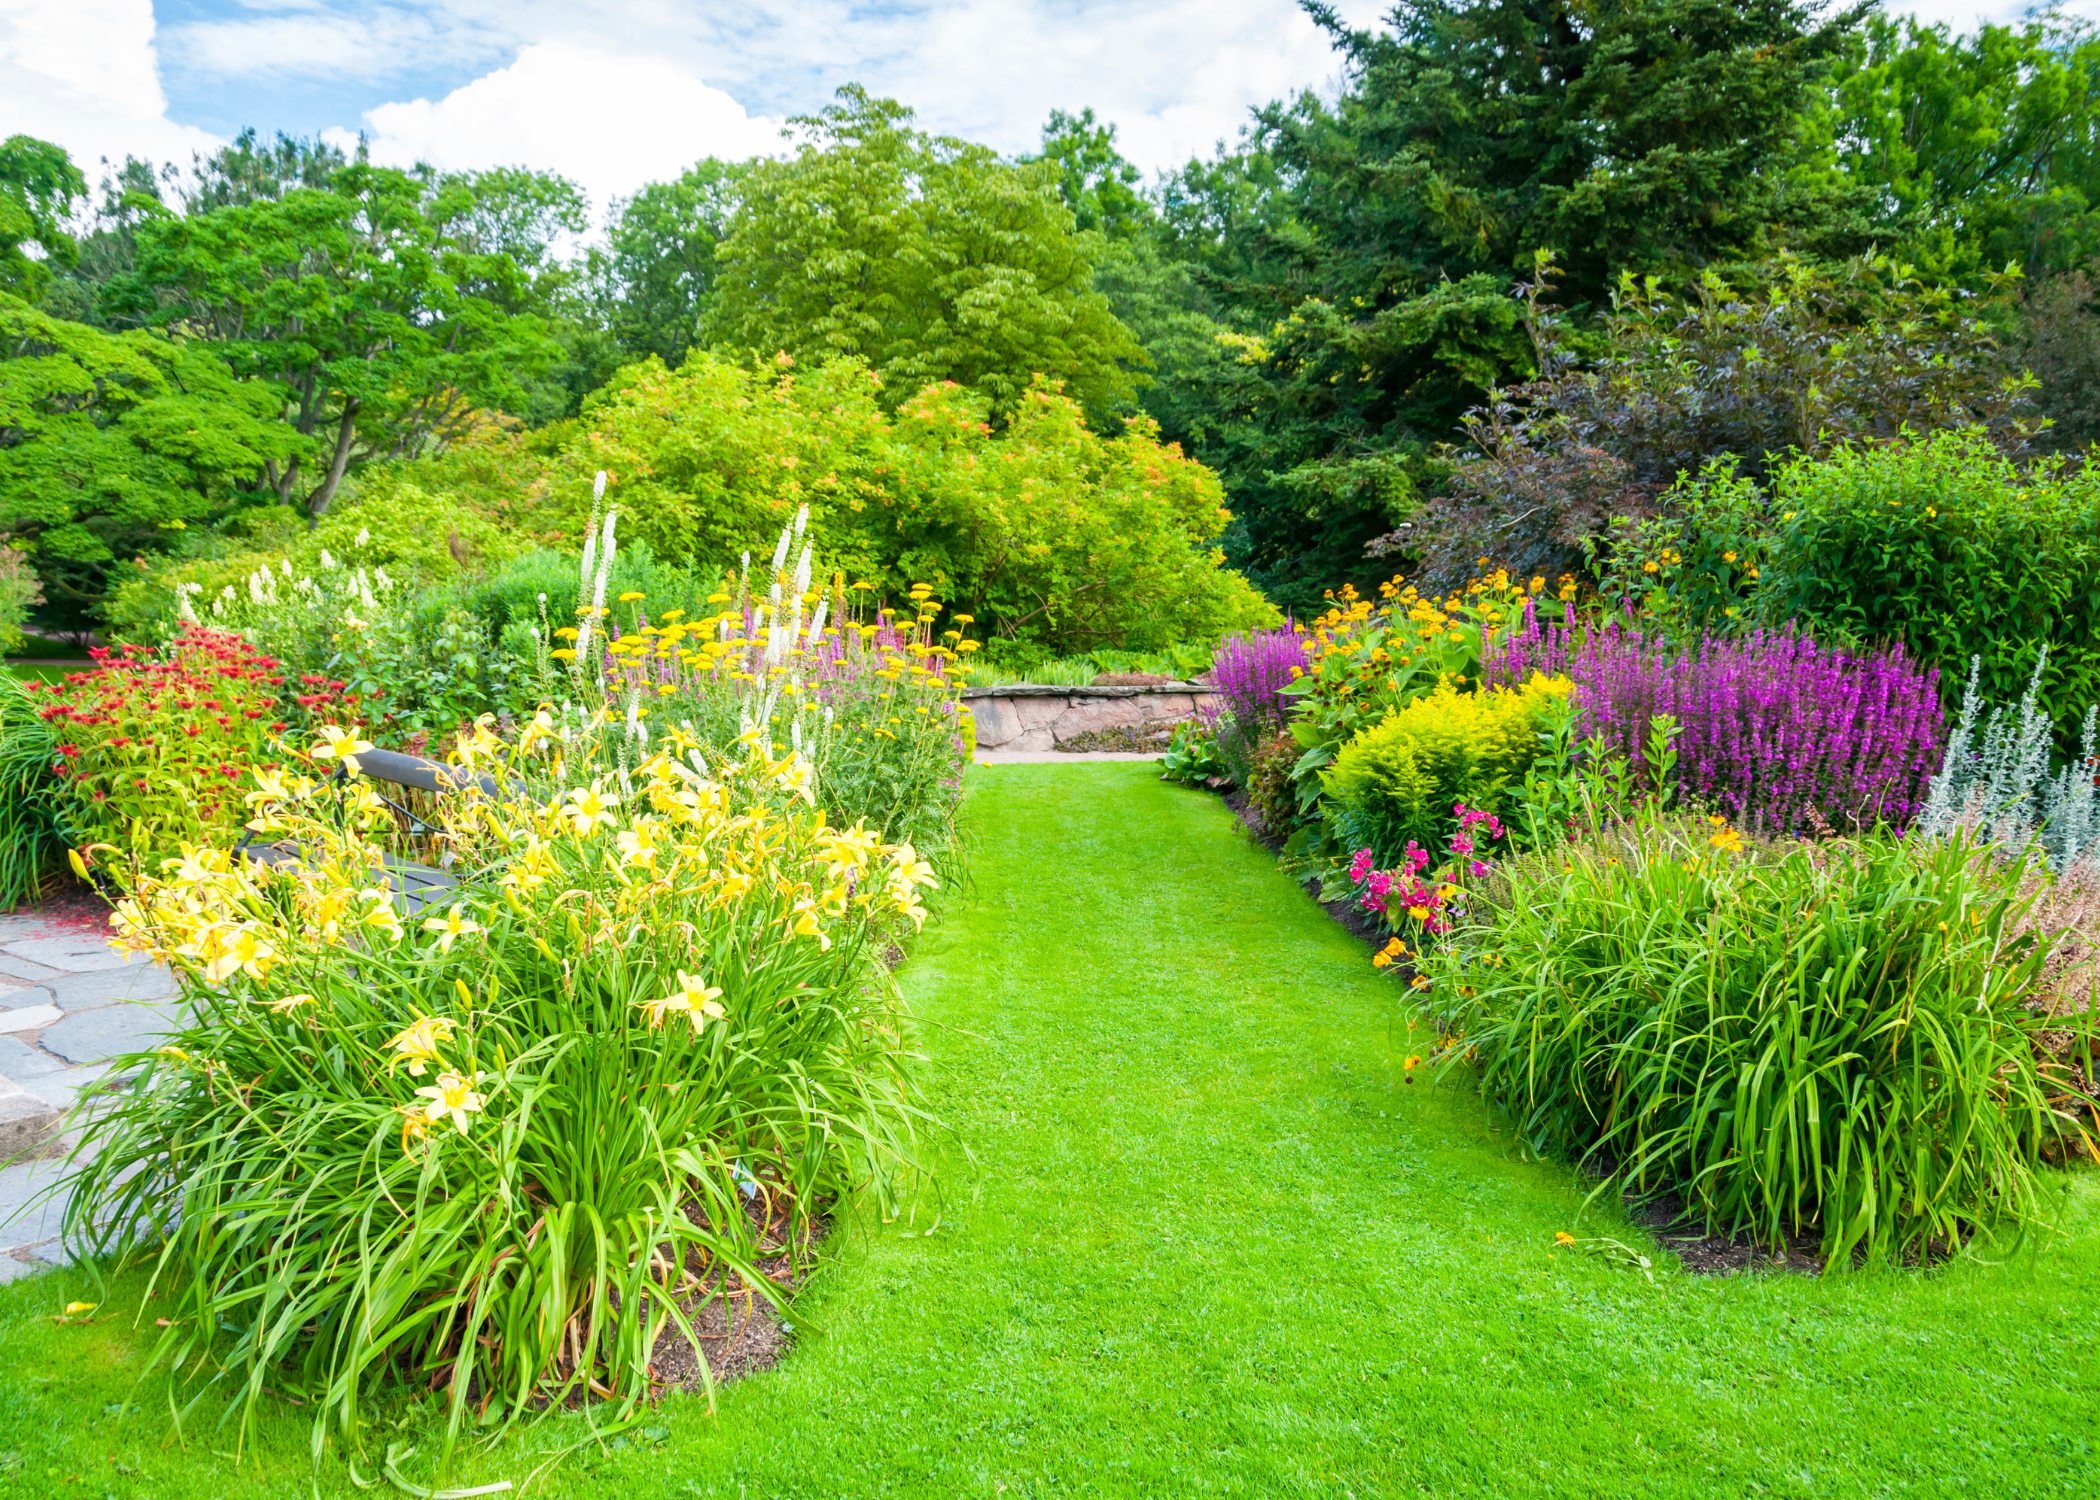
(155, 744)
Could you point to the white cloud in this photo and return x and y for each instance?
(609, 122)
(1175, 76)
(84, 73)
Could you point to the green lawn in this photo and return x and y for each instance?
(46, 671)
(1197, 1237)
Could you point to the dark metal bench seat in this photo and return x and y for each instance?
(415, 885)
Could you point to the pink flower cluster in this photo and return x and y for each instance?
(1462, 841)
(1402, 888)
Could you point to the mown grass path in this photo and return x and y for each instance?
(1206, 1241)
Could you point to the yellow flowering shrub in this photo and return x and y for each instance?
(502, 1141)
(1399, 780)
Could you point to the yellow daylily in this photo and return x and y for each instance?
(589, 808)
(695, 999)
(419, 1044)
(452, 1097)
(451, 927)
(333, 743)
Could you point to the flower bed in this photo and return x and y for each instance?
(502, 1147)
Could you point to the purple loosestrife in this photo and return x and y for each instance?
(1776, 731)
(1252, 671)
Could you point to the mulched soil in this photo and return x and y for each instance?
(72, 907)
(739, 1330)
(1712, 1254)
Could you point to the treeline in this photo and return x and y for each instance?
(1533, 261)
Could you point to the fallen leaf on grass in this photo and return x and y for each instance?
(80, 1307)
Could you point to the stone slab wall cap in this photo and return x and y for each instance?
(1047, 690)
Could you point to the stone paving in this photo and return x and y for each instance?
(68, 1002)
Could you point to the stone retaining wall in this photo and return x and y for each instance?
(1027, 716)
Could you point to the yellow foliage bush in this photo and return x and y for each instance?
(1398, 781)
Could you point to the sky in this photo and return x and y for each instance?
(617, 93)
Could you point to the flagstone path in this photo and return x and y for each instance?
(68, 1003)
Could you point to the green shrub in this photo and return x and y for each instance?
(19, 594)
(1943, 545)
(1270, 790)
(418, 535)
(1051, 536)
(1833, 1039)
(1397, 782)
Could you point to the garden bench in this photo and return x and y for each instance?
(415, 884)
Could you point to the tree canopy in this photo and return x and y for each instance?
(1325, 314)
(929, 258)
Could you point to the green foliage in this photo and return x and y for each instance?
(1831, 1041)
(927, 258)
(382, 317)
(1397, 782)
(657, 272)
(1098, 184)
(1046, 533)
(1981, 150)
(1943, 544)
(1755, 366)
(1696, 568)
(111, 444)
(33, 838)
(1368, 243)
(19, 594)
(38, 186)
(2057, 341)
(392, 522)
(1192, 755)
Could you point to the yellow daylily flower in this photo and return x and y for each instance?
(451, 927)
(333, 743)
(589, 808)
(695, 999)
(419, 1044)
(452, 1097)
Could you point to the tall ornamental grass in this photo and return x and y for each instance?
(500, 1146)
(1831, 1040)
(33, 832)
(1775, 731)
